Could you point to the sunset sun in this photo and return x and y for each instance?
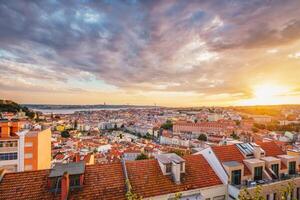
(267, 94)
(268, 91)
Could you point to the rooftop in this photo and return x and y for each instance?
(107, 181)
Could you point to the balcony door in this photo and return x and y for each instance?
(258, 173)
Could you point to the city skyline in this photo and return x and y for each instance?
(169, 53)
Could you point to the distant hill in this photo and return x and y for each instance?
(98, 106)
(11, 106)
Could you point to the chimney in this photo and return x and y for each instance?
(257, 151)
(171, 164)
(76, 158)
(176, 172)
(65, 186)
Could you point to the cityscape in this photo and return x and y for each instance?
(150, 100)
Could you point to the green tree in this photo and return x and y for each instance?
(65, 134)
(246, 195)
(167, 126)
(130, 195)
(284, 192)
(142, 156)
(202, 137)
(234, 136)
(177, 152)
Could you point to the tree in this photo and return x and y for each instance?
(142, 156)
(129, 194)
(246, 195)
(177, 152)
(178, 195)
(202, 137)
(284, 192)
(65, 134)
(167, 126)
(235, 136)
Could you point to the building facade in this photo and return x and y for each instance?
(23, 149)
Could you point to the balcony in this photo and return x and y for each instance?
(8, 149)
(251, 184)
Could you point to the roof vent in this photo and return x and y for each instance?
(171, 164)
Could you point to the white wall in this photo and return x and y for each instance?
(197, 194)
(21, 149)
(215, 164)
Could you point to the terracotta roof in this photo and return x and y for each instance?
(230, 153)
(147, 179)
(105, 181)
(271, 148)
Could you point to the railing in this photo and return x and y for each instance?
(250, 184)
(8, 149)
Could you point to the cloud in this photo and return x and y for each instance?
(204, 47)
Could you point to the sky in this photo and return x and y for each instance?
(168, 53)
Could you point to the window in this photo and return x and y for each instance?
(258, 173)
(74, 180)
(28, 144)
(55, 183)
(236, 177)
(28, 167)
(8, 144)
(28, 155)
(292, 167)
(8, 156)
(168, 168)
(181, 166)
(275, 169)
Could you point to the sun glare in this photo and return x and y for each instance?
(267, 94)
(269, 91)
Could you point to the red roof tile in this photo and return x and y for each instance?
(147, 179)
(271, 148)
(230, 153)
(105, 181)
